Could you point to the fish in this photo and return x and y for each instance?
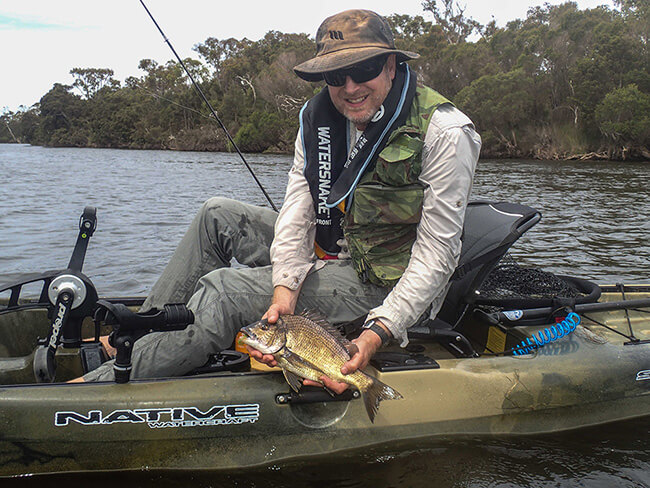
(307, 346)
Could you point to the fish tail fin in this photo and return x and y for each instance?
(377, 392)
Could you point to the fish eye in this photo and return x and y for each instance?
(265, 326)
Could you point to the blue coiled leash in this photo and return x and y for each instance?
(550, 334)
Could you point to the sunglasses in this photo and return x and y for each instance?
(360, 73)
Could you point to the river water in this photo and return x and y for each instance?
(595, 225)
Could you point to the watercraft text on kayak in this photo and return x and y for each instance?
(157, 418)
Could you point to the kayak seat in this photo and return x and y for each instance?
(489, 230)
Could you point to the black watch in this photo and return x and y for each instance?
(377, 329)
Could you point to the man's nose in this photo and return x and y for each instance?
(350, 85)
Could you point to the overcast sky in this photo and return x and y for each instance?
(42, 40)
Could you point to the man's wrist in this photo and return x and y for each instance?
(285, 298)
(379, 329)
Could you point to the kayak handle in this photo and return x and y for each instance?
(314, 394)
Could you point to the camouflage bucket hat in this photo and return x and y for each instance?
(348, 38)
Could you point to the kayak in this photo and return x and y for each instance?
(476, 369)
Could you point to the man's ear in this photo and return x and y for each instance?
(390, 65)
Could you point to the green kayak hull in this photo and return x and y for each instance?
(232, 420)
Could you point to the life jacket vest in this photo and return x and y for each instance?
(379, 219)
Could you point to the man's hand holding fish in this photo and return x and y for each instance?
(367, 344)
(283, 303)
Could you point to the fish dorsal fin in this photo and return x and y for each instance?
(319, 318)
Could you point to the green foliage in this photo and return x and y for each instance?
(450, 16)
(624, 117)
(19, 126)
(63, 118)
(560, 82)
(260, 132)
(90, 80)
(501, 105)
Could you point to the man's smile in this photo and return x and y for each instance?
(356, 100)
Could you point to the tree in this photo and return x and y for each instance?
(624, 117)
(215, 52)
(90, 80)
(451, 17)
(6, 132)
(407, 29)
(502, 108)
(637, 13)
(259, 133)
(164, 80)
(278, 86)
(62, 118)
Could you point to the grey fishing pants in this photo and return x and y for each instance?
(224, 299)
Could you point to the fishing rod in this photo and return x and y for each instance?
(214, 113)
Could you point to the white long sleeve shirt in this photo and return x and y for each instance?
(449, 157)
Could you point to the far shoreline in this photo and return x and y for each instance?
(586, 157)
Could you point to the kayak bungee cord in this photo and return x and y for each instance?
(212, 111)
(631, 338)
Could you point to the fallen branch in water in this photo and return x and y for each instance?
(591, 156)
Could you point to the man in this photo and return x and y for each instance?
(370, 224)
